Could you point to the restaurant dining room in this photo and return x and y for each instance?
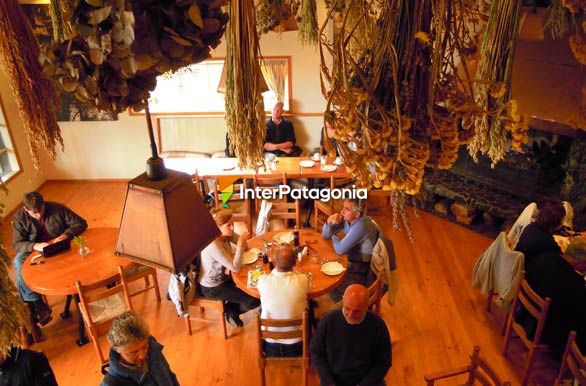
(292, 192)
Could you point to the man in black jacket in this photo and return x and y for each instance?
(25, 368)
(35, 226)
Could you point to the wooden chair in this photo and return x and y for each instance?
(538, 308)
(204, 303)
(241, 206)
(299, 332)
(330, 207)
(140, 271)
(374, 296)
(574, 361)
(281, 209)
(100, 305)
(478, 371)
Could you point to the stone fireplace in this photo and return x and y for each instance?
(553, 168)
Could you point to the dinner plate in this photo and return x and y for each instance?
(283, 237)
(306, 163)
(332, 268)
(329, 168)
(250, 256)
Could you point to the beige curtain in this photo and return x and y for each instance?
(275, 72)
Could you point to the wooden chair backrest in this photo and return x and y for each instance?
(281, 208)
(479, 372)
(89, 294)
(574, 361)
(482, 372)
(374, 296)
(264, 333)
(534, 304)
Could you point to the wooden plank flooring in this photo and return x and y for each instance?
(436, 321)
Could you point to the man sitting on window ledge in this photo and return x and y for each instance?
(280, 136)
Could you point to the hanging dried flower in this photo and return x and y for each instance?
(245, 84)
(578, 46)
(35, 95)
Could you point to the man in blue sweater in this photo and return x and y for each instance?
(352, 346)
(360, 236)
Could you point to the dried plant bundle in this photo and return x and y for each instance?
(402, 92)
(308, 32)
(13, 312)
(35, 95)
(245, 117)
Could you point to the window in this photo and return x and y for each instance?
(9, 165)
(194, 89)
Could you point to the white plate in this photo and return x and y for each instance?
(329, 168)
(283, 237)
(307, 163)
(250, 256)
(332, 268)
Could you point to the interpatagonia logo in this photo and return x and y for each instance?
(226, 186)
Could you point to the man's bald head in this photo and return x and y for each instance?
(285, 259)
(355, 303)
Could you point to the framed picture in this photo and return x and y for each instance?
(70, 109)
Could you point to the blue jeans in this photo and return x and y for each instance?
(27, 294)
(272, 349)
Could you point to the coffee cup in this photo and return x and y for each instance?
(316, 156)
(338, 161)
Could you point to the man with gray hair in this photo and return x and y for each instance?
(352, 345)
(360, 235)
(283, 295)
(136, 358)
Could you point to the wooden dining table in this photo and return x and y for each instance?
(216, 167)
(320, 251)
(57, 275)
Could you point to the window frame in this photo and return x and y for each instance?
(287, 112)
(11, 148)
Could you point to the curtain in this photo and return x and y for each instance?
(275, 72)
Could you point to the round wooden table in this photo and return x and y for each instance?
(322, 283)
(57, 275)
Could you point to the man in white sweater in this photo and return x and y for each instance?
(283, 295)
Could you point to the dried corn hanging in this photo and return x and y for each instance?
(245, 117)
(35, 95)
(13, 312)
(493, 86)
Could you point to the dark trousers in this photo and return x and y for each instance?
(237, 301)
(272, 349)
(358, 273)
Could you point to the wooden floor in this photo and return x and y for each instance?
(436, 321)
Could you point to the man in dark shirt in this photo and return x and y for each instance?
(35, 226)
(352, 346)
(280, 135)
(25, 368)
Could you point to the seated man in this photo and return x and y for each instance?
(37, 225)
(283, 295)
(280, 136)
(136, 358)
(352, 346)
(22, 367)
(360, 236)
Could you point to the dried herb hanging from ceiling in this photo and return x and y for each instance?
(123, 45)
(271, 15)
(245, 117)
(493, 85)
(565, 16)
(60, 16)
(401, 93)
(308, 33)
(35, 95)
